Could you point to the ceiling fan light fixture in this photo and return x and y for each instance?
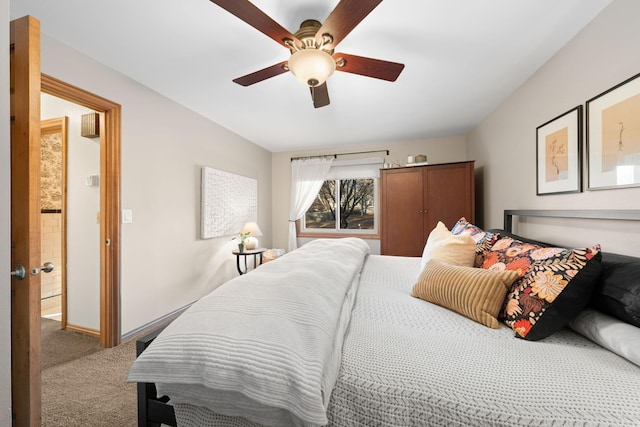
(312, 67)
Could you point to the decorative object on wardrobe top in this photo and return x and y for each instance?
(417, 160)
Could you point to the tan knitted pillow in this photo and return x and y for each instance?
(473, 292)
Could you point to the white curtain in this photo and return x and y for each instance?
(307, 177)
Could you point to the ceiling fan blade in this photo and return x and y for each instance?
(376, 68)
(344, 18)
(320, 95)
(264, 74)
(246, 11)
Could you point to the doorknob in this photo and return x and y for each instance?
(19, 272)
(47, 268)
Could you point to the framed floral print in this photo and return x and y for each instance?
(613, 137)
(558, 154)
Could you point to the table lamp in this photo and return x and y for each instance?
(253, 230)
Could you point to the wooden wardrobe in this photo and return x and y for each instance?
(415, 198)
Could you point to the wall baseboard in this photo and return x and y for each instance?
(83, 330)
(148, 327)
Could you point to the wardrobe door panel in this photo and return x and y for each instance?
(449, 194)
(402, 200)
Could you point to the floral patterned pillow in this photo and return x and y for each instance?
(555, 285)
(484, 239)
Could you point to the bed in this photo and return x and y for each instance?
(387, 358)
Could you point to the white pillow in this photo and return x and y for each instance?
(455, 249)
(615, 335)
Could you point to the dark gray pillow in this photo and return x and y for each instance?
(618, 291)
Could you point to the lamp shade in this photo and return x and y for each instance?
(311, 66)
(251, 228)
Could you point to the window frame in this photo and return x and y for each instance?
(302, 231)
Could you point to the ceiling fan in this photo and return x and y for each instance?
(312, 58)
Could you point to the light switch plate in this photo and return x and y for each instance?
(127, 216)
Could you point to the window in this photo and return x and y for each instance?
(347, 202)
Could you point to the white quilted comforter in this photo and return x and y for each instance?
(265, 345)
(406, 362)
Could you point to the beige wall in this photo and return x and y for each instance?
(5, 213)
(165, 265)
(604, 54)
(437, 150)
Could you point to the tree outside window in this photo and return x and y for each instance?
(343, 204)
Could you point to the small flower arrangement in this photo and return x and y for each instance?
(241, 238)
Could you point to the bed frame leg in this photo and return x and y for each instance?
(143, 396)
(152, 410)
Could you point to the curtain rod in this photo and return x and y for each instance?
(335, 155)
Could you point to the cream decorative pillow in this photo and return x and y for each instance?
(442, 245)
(473, 292)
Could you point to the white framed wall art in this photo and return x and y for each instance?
(227, 202)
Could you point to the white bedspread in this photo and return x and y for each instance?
(407, 362)
(266, 345)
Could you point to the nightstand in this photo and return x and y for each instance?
(257, 256)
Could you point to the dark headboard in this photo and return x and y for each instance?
(625, 215)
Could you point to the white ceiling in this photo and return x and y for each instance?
(462, 59)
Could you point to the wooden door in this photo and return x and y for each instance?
(448, 194)
(402, 216)
(25, 220)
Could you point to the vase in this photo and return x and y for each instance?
(240, 247)
(251, 243)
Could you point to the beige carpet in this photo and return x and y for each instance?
(84, 385)
(60, 346)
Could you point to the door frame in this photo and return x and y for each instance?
(110, 140)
